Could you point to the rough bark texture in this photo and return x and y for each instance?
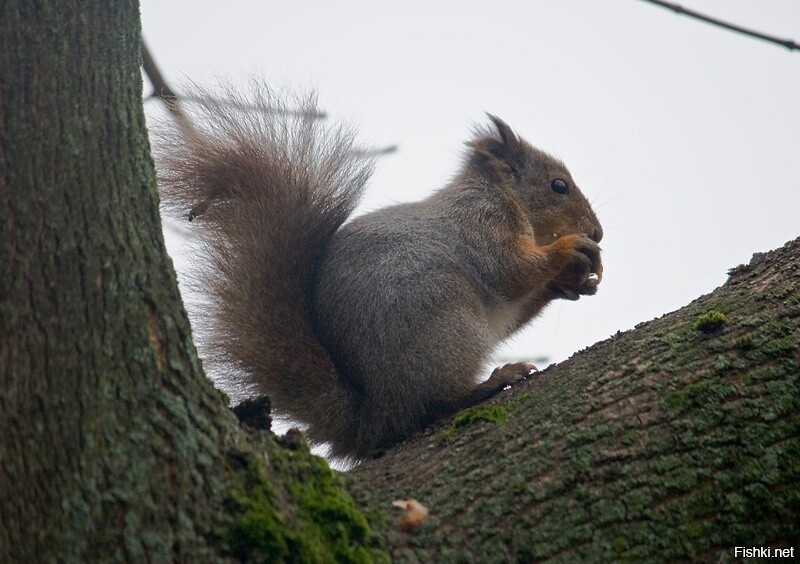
(97, 375)
(679, 439)
(113, 444)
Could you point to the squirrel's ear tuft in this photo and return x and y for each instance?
(508, 136)
(497, 155)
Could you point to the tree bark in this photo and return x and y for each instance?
(679, 439)
(114, 445)
(98, 367)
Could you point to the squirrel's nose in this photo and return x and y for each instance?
(595, 232)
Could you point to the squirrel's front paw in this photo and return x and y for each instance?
(581, 270)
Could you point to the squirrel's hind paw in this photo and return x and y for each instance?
(510, 374)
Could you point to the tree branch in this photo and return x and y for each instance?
(788, 43)
(163, 92)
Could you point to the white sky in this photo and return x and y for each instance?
(686, 137)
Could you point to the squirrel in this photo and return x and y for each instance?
(368, 330)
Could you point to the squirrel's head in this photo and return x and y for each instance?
(541, 184)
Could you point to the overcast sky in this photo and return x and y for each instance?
(685, 137)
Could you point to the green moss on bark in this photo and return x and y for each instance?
(710, 321)
(309, 518)
(494, 414)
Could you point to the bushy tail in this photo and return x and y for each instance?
(268, 186)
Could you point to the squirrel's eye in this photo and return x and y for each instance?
(559, 186)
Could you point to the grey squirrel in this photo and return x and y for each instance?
(368, 331)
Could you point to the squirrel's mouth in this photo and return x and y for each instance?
(563, 293)
(588, 288)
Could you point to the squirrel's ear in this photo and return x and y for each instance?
(508, 136)
(497, 158)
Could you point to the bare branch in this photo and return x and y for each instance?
(788, 43)
(171, 99)
(162, 91)
(376, 152)
(245, 107)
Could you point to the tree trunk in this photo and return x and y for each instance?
(679, 439)
(114, 445)
(97, 362)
